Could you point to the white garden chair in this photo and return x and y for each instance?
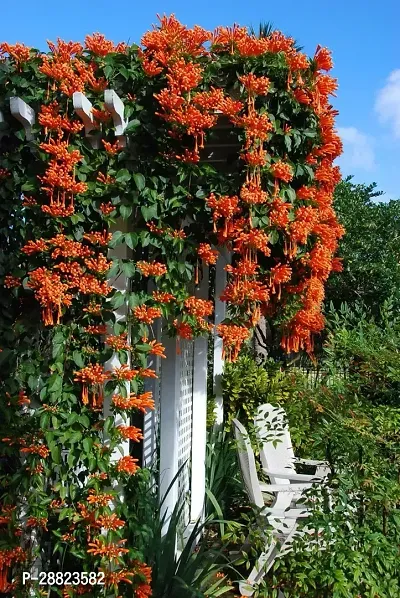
(279, 516)
(277, 455)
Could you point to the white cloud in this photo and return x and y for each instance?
(358, 151)
(388, 102)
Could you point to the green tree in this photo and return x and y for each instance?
(370, 249)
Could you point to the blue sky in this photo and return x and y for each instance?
(363, 36)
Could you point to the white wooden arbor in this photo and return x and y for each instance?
(177, 426)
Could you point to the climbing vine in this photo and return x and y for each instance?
(64, 197)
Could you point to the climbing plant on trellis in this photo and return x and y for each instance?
(66, 180)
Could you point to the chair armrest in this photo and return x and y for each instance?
(296, 477)
(292, 488)
(273, 513)
(311, 462)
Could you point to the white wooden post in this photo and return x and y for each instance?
(119, 283)
(115, 106)
(220, 314)
(199, 415)
(83, 108)
(169, 421)
(24, 114)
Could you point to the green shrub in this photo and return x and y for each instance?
(245, 386)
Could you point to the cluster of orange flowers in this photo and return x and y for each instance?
(232, 337)
(58, 182)
(140, 402)
(207, 254)
(68, 70)
(100, 46)
(127, 465)
(130, 432)
(92, 376)
(146, 314)
(7, 558)
(118, 342)
(151, 269)
(11, 282)
(111, 551)
(173, 50)
(318, 218)
(56, 288)
(17, 52)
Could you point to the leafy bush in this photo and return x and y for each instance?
(245, 385)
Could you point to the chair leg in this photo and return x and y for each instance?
(265, 561)
(248, 587)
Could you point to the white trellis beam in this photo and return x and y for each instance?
(116, 108)
(24, 114)
(120, 283)
(199, 415)
(84, 109)
(220, 314)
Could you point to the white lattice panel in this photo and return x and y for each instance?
(185, 421)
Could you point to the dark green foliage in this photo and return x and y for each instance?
(370, 249)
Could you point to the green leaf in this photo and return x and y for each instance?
(108, 424)
(139, 181)
(108, 71)
(71, 459)
(28, 186)
(44, 420)
(117, 239)
(128, 268)
(134, 300)
(55, 383)
(88, 444)
(76, 436)
(55, 451)
(149, 212)
(84, 420)
(64, 513)
(123, 175)
(72, 418)
(77, 357)
(132, 125)
(290, 194)
(131, 239)
(118, 300)
(125, 211)
(273, 236)
(115, 268)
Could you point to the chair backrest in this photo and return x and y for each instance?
(272, 431)
(247, 464)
